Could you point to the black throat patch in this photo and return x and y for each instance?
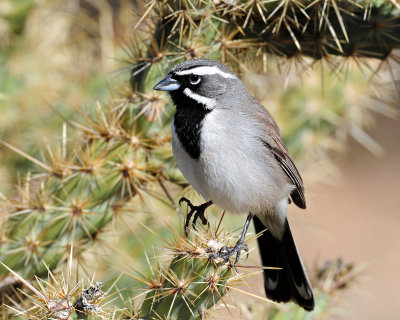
(188, 122)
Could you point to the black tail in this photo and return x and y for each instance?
(291, 282)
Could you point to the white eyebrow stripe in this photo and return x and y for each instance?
(209, 103)
(204, 70)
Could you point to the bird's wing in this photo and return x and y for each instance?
(274, 143)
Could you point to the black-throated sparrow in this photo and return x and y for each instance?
(230, 149)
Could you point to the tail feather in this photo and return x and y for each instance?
(291, 282)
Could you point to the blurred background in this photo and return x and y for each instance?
(57, 56)
(357, 217)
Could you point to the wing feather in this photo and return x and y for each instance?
(283, 156)
(275, 144)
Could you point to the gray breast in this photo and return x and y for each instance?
(237, 172)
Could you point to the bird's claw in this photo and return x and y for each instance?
(197, 211)
(225, 253)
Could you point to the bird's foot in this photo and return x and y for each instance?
(225, 253)
(197, 211)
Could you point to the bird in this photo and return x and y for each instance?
(230, 149)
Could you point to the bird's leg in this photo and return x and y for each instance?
(198, 212)
(226, 252)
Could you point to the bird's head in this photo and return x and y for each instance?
(203, 82)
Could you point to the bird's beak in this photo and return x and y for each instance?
(167, 84)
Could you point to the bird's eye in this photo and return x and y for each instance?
(194, 79)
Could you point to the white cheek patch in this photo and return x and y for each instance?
(209, 103)
(201, 71)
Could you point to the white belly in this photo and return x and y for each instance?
(232, 170)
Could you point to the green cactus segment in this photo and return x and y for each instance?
(189, 288)
(195, 280)
(228, 29)
(318, 29)
(74, 200)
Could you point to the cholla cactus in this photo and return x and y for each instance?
(78, 193)
(194, 281)
(228, 29)
(57, 298)
(120, 150)
(188, 287)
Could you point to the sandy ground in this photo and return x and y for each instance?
(359, 219)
